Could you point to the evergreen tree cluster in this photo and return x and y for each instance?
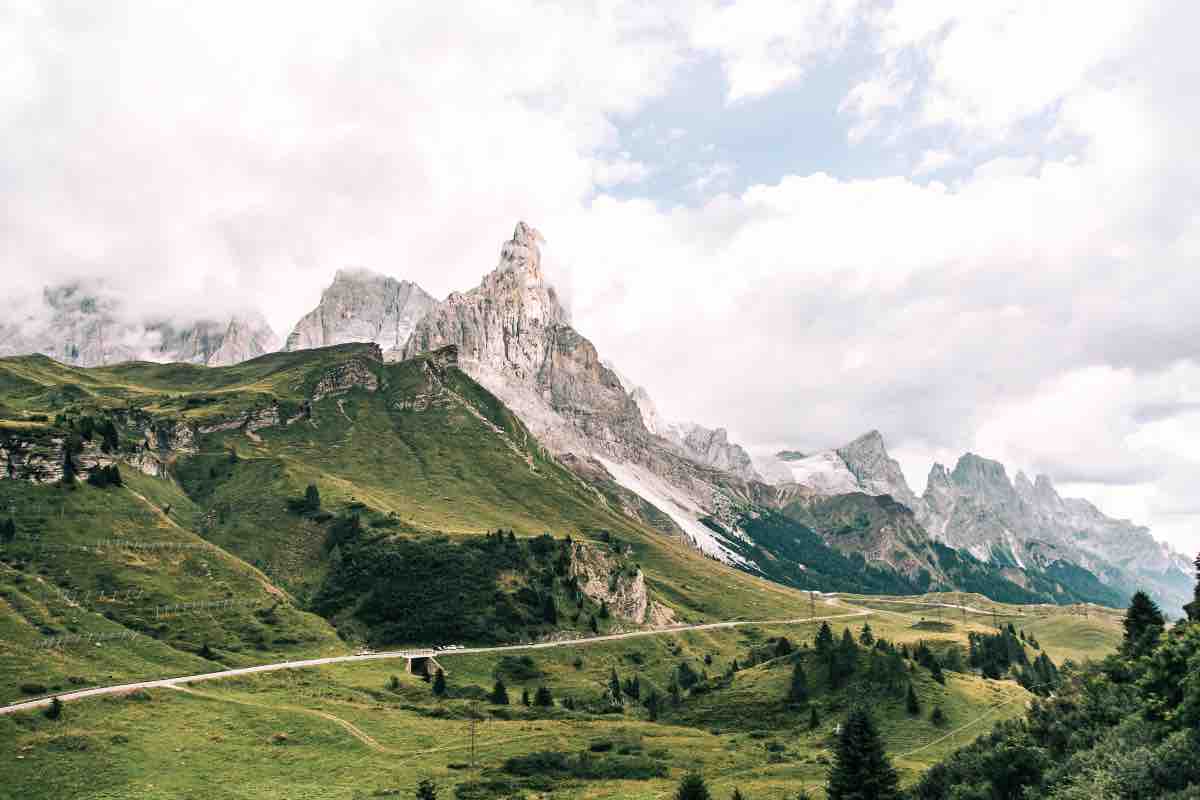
(993, 654)
(1124, 728)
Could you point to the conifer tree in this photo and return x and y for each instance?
(866, 637)
(426, 790)
(692, 787)
(8, 530)
(824, 641)
(543, 698)
(614, 687)
(798, 691)
(439, 682)
(54, 710)
(525, 697)
(1143, 623)
(499, 695)
(737, 795)
(814, 719)
(652, 705)
(911, 702)
(861, 769)
(312, 498)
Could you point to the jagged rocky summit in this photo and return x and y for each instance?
(363, 306)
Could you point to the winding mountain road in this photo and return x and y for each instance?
(173, 683)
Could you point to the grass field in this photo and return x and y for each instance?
(346, 733)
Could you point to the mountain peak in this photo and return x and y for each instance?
(361, 305)
(522, 254)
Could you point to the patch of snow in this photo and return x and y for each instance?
(1014, 547)
(824, 472)
(671, 501)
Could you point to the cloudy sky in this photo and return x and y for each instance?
(973, 226)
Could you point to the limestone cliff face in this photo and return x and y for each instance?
(85, 325)
(878, 473)
(514, 337)
(713, 448)
(606, 578)
(362, 306)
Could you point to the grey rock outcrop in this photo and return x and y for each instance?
(608, 579)
(712, 448)
(877, 473)
(362, 306)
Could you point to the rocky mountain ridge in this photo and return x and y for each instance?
(84, 325)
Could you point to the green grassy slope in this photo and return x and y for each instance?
(348, 733)
(459, 465)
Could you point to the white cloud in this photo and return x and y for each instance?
(767, 44)
(620, 170)
(932, 161)
(989, 66)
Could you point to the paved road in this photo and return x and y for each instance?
(168, 683)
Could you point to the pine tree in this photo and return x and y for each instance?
(1144, 625)
(737, 795)
(844, 661)
(312, 498)
(525, 697)
(549, 610)
(439, 683)
(935, 670)
(54, 710)
(798, 691)
(614, 687)
(8, 530)
(866, 638)
(652, 705)
(692, 787)
(913, 705)
(543, 698)
(592, 624)
(814, 719)
(499, 695)
(938, 717)
(824, 641)
(861, 769)
(426, 790)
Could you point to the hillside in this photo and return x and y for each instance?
(212, 463)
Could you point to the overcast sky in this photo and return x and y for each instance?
(973, 226)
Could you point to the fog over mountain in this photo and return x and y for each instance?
(894, 224)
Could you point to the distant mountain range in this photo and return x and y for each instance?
(972, 527)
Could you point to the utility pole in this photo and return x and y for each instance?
(471, 725)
